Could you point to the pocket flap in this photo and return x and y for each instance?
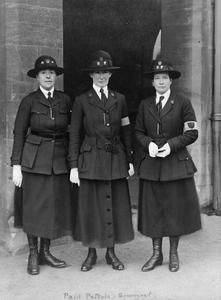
(40, 110)
(33, 139)
(85, 148)
(183, 155)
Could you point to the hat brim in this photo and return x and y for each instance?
(173, 74)
(92, 70)
(34, 72)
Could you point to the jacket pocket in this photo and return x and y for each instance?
(63, 109)
(40, 110)
(84, 157)
(186, 158)
(39, 115)
(30, 150)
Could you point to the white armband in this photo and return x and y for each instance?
(190, 125)
(125, 121)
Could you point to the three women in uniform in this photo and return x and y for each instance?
(100, 159)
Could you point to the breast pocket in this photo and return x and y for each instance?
(39, 116)
(63, 115)
(30, 150)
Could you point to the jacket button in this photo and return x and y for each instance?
(108, 124)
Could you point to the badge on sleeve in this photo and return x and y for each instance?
(190, 125)
(125, 121)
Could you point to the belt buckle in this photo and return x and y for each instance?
(108, 147)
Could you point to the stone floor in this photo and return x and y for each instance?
(199, 277)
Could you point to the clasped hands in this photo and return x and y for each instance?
(154, 151)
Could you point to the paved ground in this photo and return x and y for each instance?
(199, 277)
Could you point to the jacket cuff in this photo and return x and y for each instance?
(73, 164)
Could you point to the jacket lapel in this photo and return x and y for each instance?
(168, 106)
(112, 99)
(43, 100)
(56, 98)
(94, 99)
(153, 109)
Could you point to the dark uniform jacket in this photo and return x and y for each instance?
(40, 133)
(99, 146)
(177, 127)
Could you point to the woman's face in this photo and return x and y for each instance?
(162, 82)
(101, 79)
(46, 79)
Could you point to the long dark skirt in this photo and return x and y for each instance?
(47, 210)
(168, 208)
(104, 213)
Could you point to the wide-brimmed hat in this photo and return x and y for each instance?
(45, 62)
(100, 61)
(162, 66)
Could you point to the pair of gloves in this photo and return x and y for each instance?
(154, 151)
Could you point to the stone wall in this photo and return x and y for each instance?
(28, 29)
(187, 33)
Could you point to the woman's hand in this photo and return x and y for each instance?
(153, 149)
(164, 151)
(131, 170)
(17, 175)
(74, 177)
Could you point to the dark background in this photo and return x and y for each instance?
(127, 29)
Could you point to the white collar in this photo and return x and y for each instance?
(165, 95)
(45, 92)
(97, 90)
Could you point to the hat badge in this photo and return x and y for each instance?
(159, 65)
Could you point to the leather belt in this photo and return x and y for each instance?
(54, 136)
(107, 145)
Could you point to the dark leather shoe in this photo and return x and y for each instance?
(46, 258)
(113, 260)
(89, 262)
(152, 263)
(33, 267)
(174, 262)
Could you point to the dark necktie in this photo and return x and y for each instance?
(159, 104)
(103, 96)
(51, 110)
(49, 96)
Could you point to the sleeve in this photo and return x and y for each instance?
(190, 131)
(69, 106)
(126, 136)
(140, 130)
(22, 122)
(75, 133)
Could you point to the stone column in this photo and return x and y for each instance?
(28, 29)
(216, 114)
(187, 39)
